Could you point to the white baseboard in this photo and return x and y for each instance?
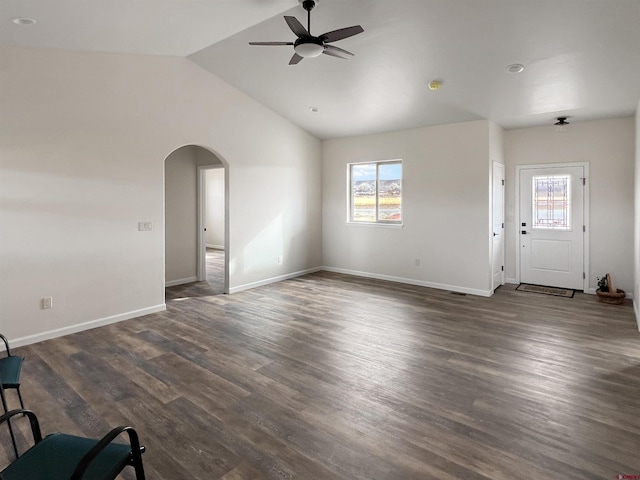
(279, 278)
(180, 281)
(410, 281)
(512, 280)
(636, 310)
(40, 337)
(216, 247)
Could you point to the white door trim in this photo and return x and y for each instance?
(491, 230)
(585, 253)
(201, 189)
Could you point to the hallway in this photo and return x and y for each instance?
(213, 286)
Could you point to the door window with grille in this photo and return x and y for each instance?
(551, 205)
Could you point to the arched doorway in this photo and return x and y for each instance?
(196, 244)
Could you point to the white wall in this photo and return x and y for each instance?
(496, 143)
(83, 139)
(446, 171)
(214, 236)
(180, 217)
(608, 146)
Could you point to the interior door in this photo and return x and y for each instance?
(551, 231)
(497, 202)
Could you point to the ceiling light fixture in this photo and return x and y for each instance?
(435, 85)
(561, 124)
(515, 68)
(23, 21)
(314, 109)
(308, 47)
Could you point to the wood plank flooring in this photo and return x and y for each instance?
(329, 376)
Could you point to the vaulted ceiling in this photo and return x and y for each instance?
(581, 58)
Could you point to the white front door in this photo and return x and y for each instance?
(497, 201)
(551, 228)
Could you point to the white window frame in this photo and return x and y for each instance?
(350, 196)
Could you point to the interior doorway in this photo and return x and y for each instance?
(553, 219)
(211, 226)
(187, 272)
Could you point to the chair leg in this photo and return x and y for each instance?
(20, 397)
(13, 437)
(137, 464)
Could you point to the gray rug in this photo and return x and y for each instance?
(558, 292)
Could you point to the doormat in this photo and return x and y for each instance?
(558, 292)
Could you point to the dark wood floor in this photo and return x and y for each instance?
(215, 279)
(335, 377)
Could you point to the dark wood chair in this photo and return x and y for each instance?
(10, 368)
(67, 457)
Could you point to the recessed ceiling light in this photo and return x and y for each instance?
(515, 68)
(314, 109)
(23, 21)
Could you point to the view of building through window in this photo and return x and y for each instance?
(376, 192)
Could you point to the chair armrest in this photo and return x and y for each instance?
(90, 456)
(33, 420)
(6, 344)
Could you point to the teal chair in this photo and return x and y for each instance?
(10, 368)
(66, 457)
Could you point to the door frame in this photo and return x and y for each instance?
(201, 192)
(502, 253)
(586, 216)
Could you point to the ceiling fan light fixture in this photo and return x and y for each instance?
(308, 48)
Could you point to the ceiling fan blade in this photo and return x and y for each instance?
(270, 43)
(295, 59)
(341, 33)
(296, 27)
(336, 52)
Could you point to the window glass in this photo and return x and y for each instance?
(551, 206)
(375, 192)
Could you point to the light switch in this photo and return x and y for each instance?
(145, 226)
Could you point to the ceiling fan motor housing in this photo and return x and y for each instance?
(309, 4)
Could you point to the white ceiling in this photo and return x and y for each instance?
(581, 57)
(157, 27)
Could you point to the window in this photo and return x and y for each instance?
(375, 192)
(551, 202)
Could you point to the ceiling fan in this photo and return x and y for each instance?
(307, 46)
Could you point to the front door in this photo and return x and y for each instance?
(551, 228)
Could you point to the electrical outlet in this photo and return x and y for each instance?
(47, 302)
(417, 262)
(145, 226)
(279, 259)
